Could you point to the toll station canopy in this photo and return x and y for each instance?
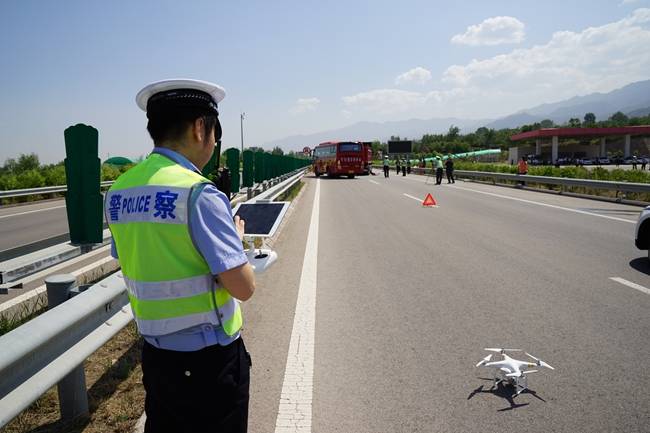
(554, 135)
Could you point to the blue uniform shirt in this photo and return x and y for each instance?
(216, 238)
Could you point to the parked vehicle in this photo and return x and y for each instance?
(339, 158)
(642, 232)
(603, 161)
(535, 160)
(630, 160)
(367, 157)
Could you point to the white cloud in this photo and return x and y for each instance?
(596, 59)
(417, 75)
(385, 101)
(395, 101)
(303, 105)
(492, 31)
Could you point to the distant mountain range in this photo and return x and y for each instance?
(370, 131)
(633, 100)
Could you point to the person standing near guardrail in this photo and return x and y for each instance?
(449, 168)
(184, 266)
(438, 165)
(522, 168)
(386, 167)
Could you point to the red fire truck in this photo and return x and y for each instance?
(339, 158)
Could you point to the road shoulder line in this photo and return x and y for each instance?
(295, 407)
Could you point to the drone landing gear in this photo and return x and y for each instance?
(520, 384)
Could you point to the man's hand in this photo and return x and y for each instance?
(239, 225)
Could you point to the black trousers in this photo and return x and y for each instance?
(196, 392)
(438, 176)
(386, 171)
(450, 176)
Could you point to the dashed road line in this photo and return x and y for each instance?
(625, 282)
(295, 408)
(376, 183)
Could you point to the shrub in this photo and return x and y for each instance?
(54, 175)
(30, 179)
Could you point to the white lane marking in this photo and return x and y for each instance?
(415, 198)
(631, 284)
(295, 409)
(30, 211)
(37, 291)
(543, 204)
(376, 183)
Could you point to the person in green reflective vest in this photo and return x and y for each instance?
(184, 266)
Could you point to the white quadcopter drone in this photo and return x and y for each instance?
(512, 371)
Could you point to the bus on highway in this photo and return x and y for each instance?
(339, 158)
(367, 156)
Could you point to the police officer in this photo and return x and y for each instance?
(385, 165)
(184, 266)
(438, 165)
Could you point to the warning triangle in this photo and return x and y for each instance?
(429, 201)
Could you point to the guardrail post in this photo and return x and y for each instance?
(73, 397)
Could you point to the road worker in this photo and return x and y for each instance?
(184, 266)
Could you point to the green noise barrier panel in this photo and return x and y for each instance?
(84, 202)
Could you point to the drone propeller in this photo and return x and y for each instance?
(484, 360)
(539, 362)
(501, 351)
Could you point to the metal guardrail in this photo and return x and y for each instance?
(562, 181)
(42, 352)
(281, 187)
(48, 349)
(40, 191)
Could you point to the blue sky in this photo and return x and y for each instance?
(305, 66)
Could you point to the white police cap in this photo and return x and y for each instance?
(216, 92)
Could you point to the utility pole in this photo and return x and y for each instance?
(242, 133)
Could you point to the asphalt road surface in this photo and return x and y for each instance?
(397, 302)
(24, 224)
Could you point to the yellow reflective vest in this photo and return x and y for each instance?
(169, 283)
